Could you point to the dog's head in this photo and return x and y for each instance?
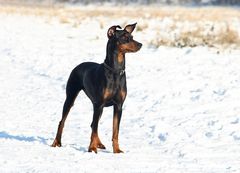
(124, 38)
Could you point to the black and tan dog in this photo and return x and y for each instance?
(104, 84)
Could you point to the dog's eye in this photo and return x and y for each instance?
(125, 38)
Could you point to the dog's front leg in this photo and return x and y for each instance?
(95, 141)
(116, 123)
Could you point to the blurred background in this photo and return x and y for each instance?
(174, 23)
(145, 2)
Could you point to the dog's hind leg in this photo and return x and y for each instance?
(72, 92)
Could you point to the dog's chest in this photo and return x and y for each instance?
(113, 89)
(110, 91)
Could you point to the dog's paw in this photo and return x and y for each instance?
(101, 146)
(92, 149)
(116, 151)
(56, 143)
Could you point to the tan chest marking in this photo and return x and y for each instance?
(107, 93)
(123, 94)
(120, 58)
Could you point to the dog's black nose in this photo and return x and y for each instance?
(139, 45)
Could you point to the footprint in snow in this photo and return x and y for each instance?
(236, 121)
(188, 51)
(219, 95)
(195, 94)
(209, 134)
(220, 92)
(235, 135)
(163, 137)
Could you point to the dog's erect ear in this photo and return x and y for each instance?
(112, 30)
(130, 28)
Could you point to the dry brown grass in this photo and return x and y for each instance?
(201, 35)
(146, 12)
(207, 26)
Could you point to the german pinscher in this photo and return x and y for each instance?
(104, 84)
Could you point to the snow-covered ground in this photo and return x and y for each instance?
(182, 112)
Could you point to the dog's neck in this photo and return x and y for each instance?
(114, 58)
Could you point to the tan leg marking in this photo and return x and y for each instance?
(115, 144)
(95, 143)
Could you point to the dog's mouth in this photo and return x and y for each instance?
(139, 45)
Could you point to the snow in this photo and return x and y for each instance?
(181, 114)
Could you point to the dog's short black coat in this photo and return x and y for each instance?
(104, 84)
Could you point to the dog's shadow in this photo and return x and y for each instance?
(81, 149)
(5, 135)
(23, 138)
(85, 150)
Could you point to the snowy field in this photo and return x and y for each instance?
(181, 115)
